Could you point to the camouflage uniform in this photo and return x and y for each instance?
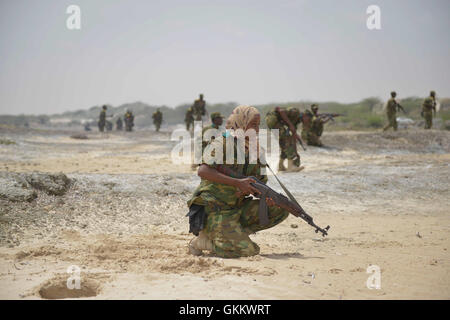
(157, 119)
(287, 142)
(230, 219)
(199, 108)
(129, 121)
(391, 110)
(189, 118)
(312, 127)
(428, 106)
(102, 119)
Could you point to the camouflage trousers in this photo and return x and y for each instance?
(229, 229)
(428, 116)
(288, 148)
(311, 138)
(392, 118)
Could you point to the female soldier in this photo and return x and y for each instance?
(231, 216)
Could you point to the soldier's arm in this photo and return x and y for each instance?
(211, 174)
(286, 119)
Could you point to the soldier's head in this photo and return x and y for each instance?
(104, 107)
(201, 96)
(393, 94)
(217, 118)
(432, 93)
(127, 111)
(314, 108)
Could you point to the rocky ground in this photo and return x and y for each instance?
(114, 205)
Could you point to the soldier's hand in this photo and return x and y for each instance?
(244, 185)
(270, 202)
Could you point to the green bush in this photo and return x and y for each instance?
(374, 121)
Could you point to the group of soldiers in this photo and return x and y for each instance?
(428, 109)
(286, 120)
(103, 123)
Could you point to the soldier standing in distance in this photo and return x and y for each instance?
(428, 107)
(129, 120)
(157, 119)
(102, 119)
(199, 108)
(391, 111)
(189, 118)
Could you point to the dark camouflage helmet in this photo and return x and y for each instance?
(201, 96)
(393, 94)
(104, 107)
(314, 107)
(216, 115)
(432, 93)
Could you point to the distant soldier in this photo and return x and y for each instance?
(129, 120)
(157, 119)
(189, 118)
(199, 108)
(428, 106)
(286, 121)
(102, 119)
(313, 126)
(119, 124)
(217, 120)
(391, 111)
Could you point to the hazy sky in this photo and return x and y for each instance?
(252, 52)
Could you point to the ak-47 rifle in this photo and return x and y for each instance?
(289, 204)
(330, 116)
(401, 108)
(300, 141)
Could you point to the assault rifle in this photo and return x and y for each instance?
(289, 204)
(401, 108)
(331, 116)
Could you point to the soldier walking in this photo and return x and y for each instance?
(428, 107)
(391, 111)
(286, 121)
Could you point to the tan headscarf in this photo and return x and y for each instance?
(241, 117)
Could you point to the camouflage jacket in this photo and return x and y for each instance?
(428, 104)
(221, 196)
(391, 107)
(274, 120)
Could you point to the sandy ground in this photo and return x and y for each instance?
(122, 222)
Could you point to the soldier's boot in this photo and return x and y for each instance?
(292, 167)
(281, 166)
(200, 243)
